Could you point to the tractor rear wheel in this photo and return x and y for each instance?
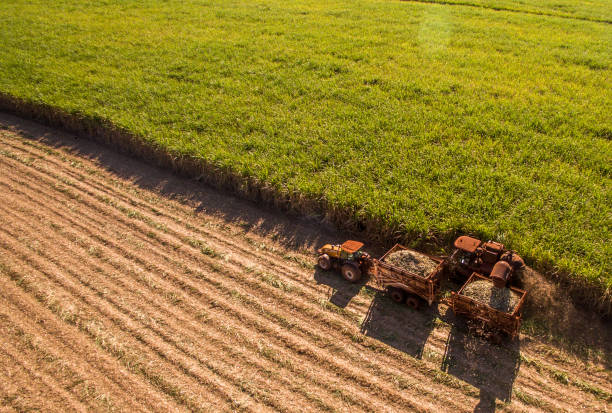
(324, 262)
(351, 272)
(397, 295)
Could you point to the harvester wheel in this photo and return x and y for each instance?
(413, 302)
(351, 272)
(324, 262)
(397, 295)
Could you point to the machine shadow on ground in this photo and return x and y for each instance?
(399, 326)
(343, 291)
(490, 368)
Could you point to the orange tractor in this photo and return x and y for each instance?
(348, 258)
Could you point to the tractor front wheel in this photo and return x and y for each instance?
(351, 272)
(324, 262)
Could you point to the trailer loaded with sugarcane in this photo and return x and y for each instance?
(492, 310)
(486, 299)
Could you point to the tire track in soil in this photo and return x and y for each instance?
(288, 271)
(68, 345)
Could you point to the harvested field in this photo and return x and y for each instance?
(412, 261)
(502, 299)
(123, 288)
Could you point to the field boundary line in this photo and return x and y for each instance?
(592, 295)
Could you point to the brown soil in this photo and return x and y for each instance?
(125, 288)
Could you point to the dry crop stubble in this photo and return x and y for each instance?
(315, 314)
(73, 223)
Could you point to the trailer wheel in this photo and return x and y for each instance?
(324, 262)
(496, 338)
(351, 273)
(397, 295)
(413, 302)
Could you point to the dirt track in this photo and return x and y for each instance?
(124, 288)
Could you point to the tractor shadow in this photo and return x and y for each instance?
(342, 291)
(399, 326)
(490, 368)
